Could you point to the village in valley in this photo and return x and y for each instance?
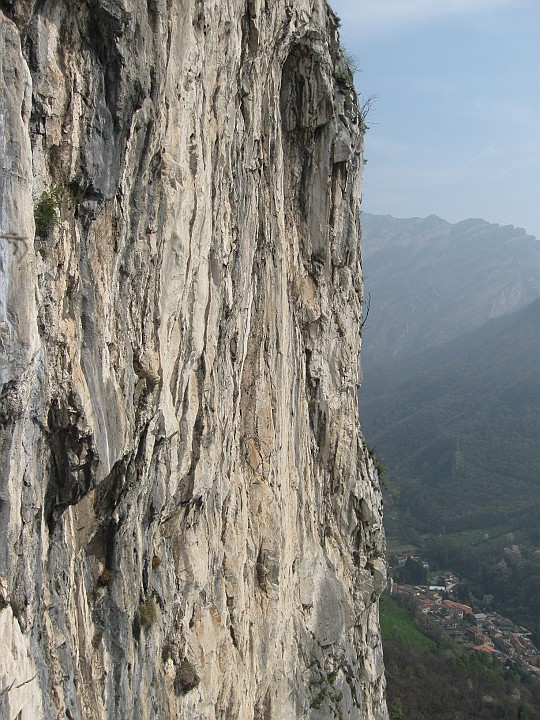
(484, 631)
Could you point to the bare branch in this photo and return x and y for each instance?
(365, 110)
(368, 306)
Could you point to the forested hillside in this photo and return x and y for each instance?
(430, 677)
(450, 401)
(457, 427)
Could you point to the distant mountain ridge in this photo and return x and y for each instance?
(431, 280)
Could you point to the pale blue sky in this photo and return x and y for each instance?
(455, 129)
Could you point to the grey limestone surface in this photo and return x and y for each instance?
(190, 524)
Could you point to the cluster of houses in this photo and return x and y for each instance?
(486, 632)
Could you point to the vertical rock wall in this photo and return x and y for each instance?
(190, 525)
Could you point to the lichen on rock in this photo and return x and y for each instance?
(179, 367)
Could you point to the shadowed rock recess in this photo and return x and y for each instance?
(190, 524)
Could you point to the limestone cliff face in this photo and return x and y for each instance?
(190, 524)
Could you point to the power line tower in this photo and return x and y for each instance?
(457, 460)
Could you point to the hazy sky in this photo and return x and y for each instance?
(455, 130)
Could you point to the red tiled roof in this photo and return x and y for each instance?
(484, 648)
(458, 606)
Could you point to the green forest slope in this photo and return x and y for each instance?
(457, 427)
(430, 677)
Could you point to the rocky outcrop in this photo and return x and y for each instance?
(190, 522)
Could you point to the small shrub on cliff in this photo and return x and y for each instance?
(376, 462)
(156, 562)
(76, 194)
(96, 640)
(319, 256)
(319, 699)
(47, 210)
(147, 613)
(167, 652)
(186, 678)
(106, 577)
(343, 77)
(331, 677)
(352, 61)
(365, 111)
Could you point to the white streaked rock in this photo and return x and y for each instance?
(190, 524)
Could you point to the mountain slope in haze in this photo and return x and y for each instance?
(457, 426)
(431, 281)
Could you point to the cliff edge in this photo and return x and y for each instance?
(190, 523)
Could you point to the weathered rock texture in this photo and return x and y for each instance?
(190, 523)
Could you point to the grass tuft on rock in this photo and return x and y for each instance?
(147, 613)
